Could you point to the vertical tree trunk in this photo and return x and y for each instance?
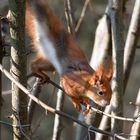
(18, 69)
(118, 52)
(131, 42)
(135, 130)
(130, 48)
(1, 55)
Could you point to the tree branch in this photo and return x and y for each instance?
(57, 122)
(135, 129)
(118, 52)
(1, 57)
(82, 15)
(69, 17)
(31, 104)
(131, 42)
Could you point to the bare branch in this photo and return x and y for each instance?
(69, 17)
(104, 124)
(135, 129)
(31, 105)
(116, 117)
(82, 15)
(12, 125)
(131, 42)
(118, 51)
(1, 57)
(57, 122)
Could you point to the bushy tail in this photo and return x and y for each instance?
(44, 14)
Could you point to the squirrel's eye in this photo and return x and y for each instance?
(100, 93)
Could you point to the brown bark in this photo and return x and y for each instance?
(118, 52)
(131, 42)
(18, 69)
(1, 56)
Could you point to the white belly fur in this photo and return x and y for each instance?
(46, 45)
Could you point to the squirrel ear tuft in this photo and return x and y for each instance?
(104, 70)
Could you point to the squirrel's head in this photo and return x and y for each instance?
(95, 86)
(99, 87)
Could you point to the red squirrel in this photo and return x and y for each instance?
(58, 50)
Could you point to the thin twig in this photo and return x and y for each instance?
(38, 122)
(104, 123)
(12, 125)
(131, 42)
(82, 15)
(69, 17)
(114, 137)
(31, 105)
(21, 128)
(115, 117)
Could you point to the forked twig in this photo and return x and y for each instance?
(69, 17)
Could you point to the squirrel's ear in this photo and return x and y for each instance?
(105, 70)
(100, 72)
(109, 73)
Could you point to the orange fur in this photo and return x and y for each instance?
(30, 26)
(78, 79)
